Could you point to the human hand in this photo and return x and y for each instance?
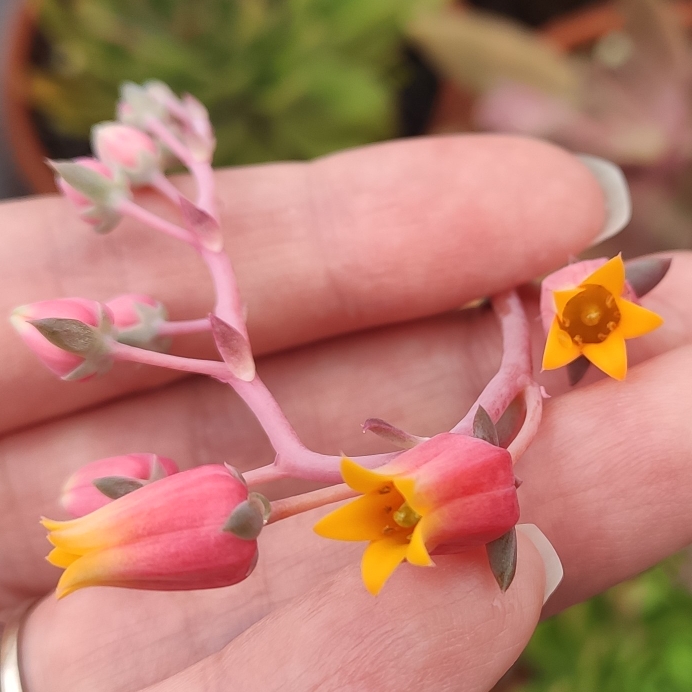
(385, 238)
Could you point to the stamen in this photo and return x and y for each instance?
(385, 489)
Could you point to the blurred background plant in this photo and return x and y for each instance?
(634, 638)
(288, 79)
(614, 82)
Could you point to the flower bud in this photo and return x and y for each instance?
(167, 536)
(66, 334)
(137, 319)
(94, 189)
(137, 105)
(81, 493)
(125, 148)
(447, 494)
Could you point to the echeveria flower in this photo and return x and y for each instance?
(450, 490)
(593, 319)
(180, 533)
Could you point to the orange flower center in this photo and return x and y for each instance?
(591, 316)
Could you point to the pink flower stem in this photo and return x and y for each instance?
(229, 305)
(201, 170)
(161, 183)
(293, 458)
(184, 327)
(134, 211)
(514, 377)
(534, 411)
(290, 506)
(263, 474)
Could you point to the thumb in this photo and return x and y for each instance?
(446, 628)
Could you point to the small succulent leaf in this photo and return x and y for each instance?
(502, 556)
(261, 503)
(204, 226)
(246, 521)
(645, 273)
(577, 369)
(396, 436)
(484, 428)
(69, 335)
(511, 420)
(117, 486)
(90, 183)
(235, 473)
(234, 349)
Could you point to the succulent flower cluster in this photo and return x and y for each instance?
(139, 522)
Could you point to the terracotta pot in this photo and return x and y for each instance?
(28, 151)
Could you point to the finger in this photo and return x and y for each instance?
(366, 237)
(446, 628)
(440, 625)
(607, 479)
(421, 376)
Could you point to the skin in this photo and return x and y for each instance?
(372, 248)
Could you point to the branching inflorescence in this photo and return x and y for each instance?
(140, 523)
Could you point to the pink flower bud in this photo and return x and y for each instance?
(127, 149)
(66, 363)
(80, 495)
(137, 319)
(169, 535)
(448, 493)
(94, 189)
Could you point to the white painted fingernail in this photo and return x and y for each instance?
(551, 561)
(617, 195)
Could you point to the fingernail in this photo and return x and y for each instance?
(551, 561)
(617, 195)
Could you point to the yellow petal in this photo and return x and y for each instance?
(417, 553)
(52, 525)
(91, 570)
(559, 348)
(362, 519)
(380, 559)
(610, 356)
(635, 320)
(407, 487)
(61, 558)
(561, 298)
(611, 276)
(359, 478)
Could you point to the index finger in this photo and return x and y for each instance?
(370, 236)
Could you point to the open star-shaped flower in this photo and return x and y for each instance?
(451, 491)
(593, 319)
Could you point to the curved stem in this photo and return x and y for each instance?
(515, 372)
(293, 458)
(534, 411)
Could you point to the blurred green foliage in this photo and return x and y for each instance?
(637, 637)
(282, 79)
